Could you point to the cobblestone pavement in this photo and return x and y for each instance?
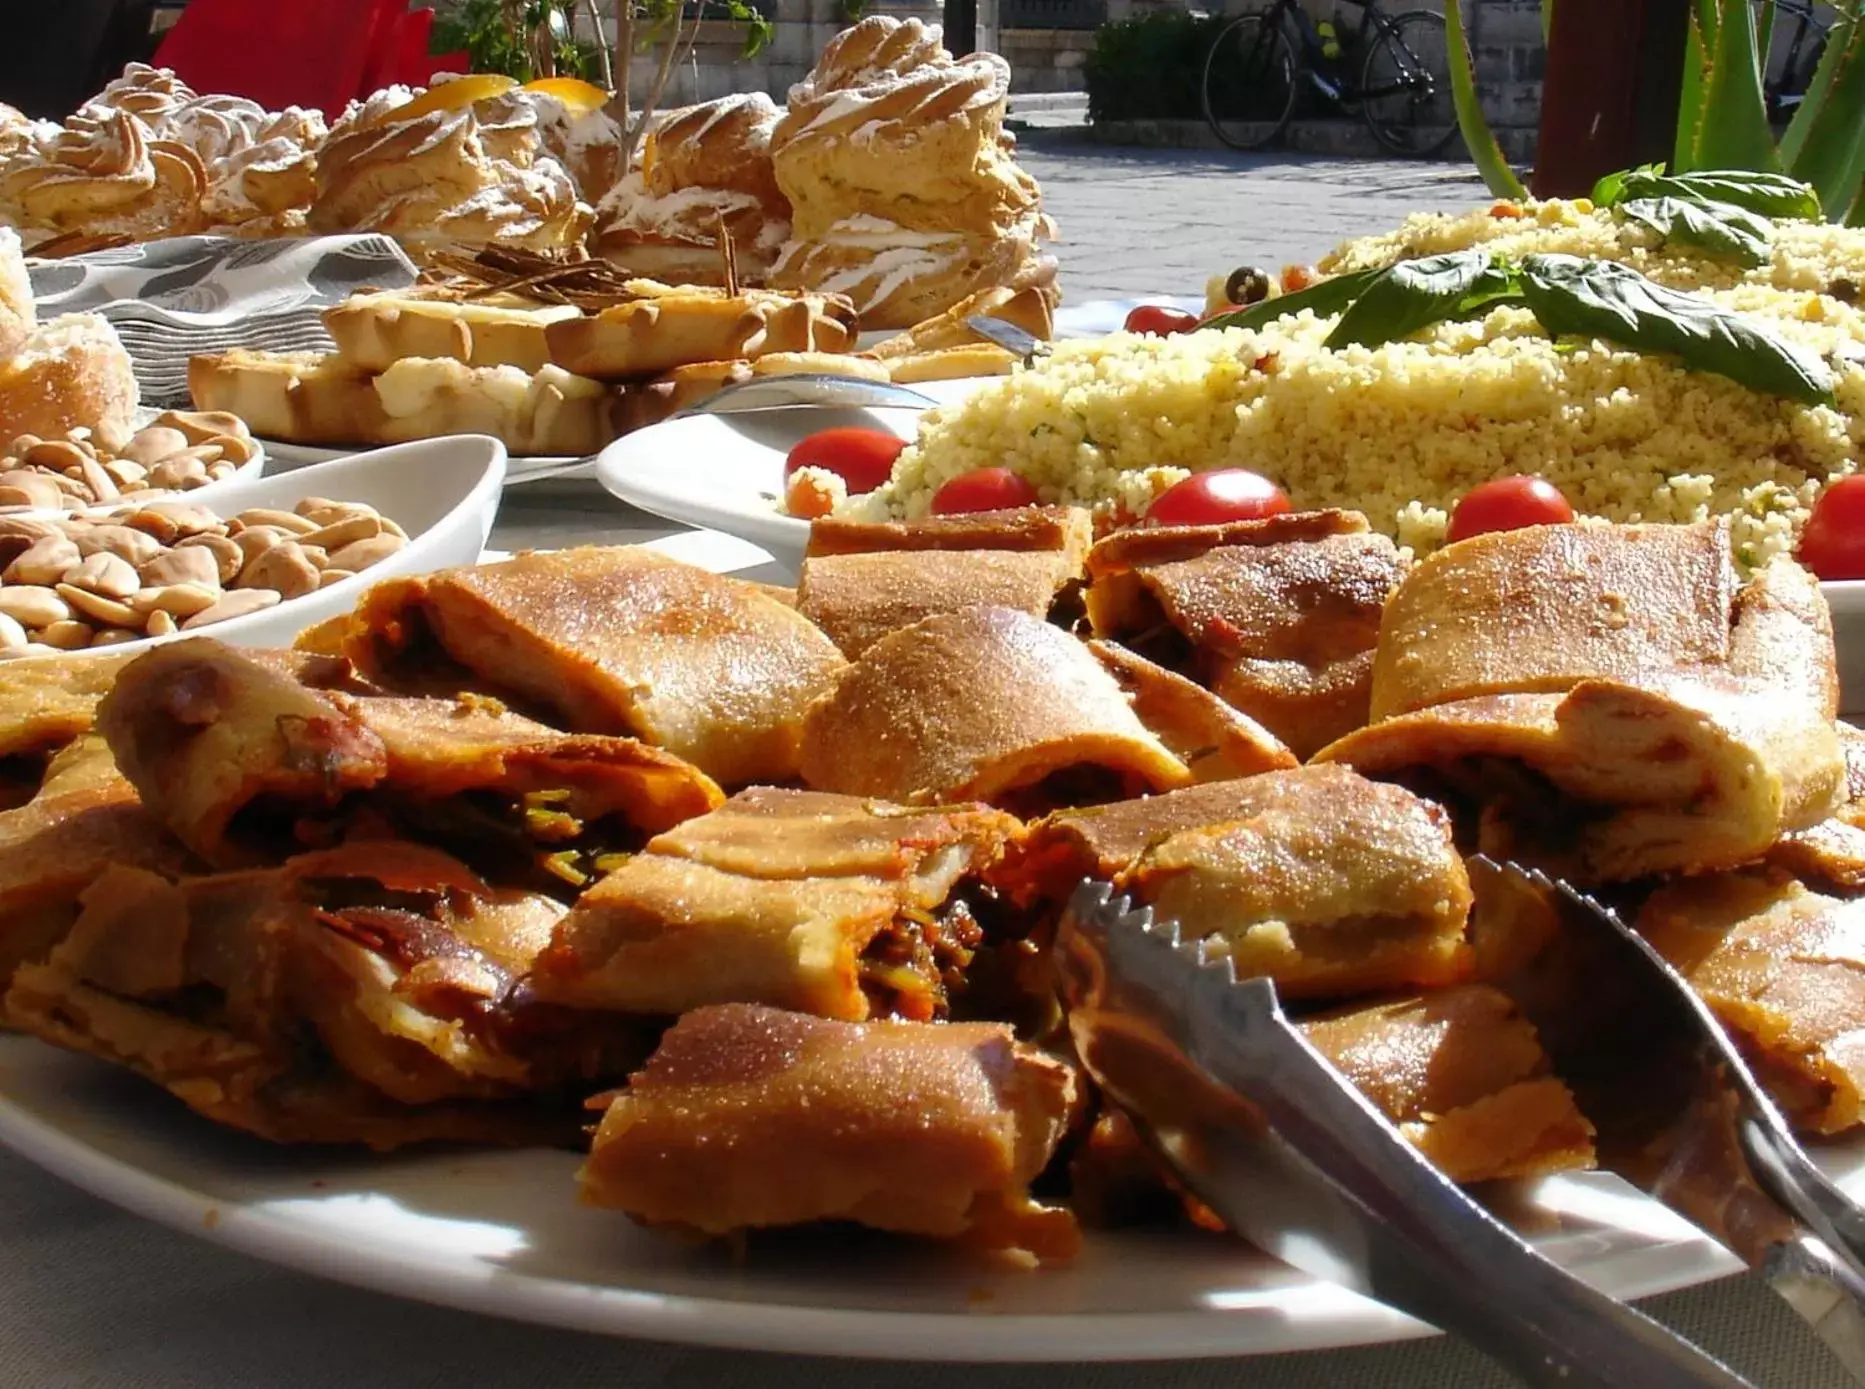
(1138, 222)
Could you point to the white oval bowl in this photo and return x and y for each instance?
(443, 492)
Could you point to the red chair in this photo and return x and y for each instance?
(402, 54)
(314, 53)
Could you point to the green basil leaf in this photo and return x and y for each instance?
(1414, 294)
(1325, 297)
(1772, 195)
(1722, 228)
(1610, 189)
(1602, 299)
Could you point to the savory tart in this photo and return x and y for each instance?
(748, 1117)
(1279, 617)
(367, 994)
(1783, 967)
(614, 640)
(1607, 700)
(984, 704)
(247, 765)
(1463, 1076)
(46, 704)
(832, 905)
(862, 580)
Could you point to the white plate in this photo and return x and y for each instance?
(290, 457)
(502, 1233)
(726, 472)
(443, 492)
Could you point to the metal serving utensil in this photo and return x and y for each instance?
(1270, 1136)
(806, 388)
(1679, 1113)
(1012, 339)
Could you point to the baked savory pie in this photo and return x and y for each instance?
(616, 640)
(749, 1117)
(831, 905)
(1278, 617)
(247, 765)
(1607, 700)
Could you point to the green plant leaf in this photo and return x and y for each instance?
(1722, 228)
(1771, 194)
(1820, 85)
(1611, 188)
(1547, 22)
(1415, 294)
(1602, 299)
(1830, 153)
(1734, 132)
(1478, 137)
(1324, 297)
(1699, 40)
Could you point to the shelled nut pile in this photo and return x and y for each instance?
(177, 451)
(107, 577)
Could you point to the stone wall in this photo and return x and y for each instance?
(1045, 60)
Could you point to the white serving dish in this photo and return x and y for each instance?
(443, 492)
(518, 468)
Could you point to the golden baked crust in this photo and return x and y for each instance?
(1032, 310)
(677, 327)
(1462, 1075)
(1781, 967)
(1214, 740)
(1279, 618)
(862, 580)
(244, 763)
(18, 317)
(750, 1117)
(308, 398)
(617, 640)
(374, 331)
(951, 364)
(1329, 884)
(71, 372)
(982, 704)
(827, 904)
(105, 174)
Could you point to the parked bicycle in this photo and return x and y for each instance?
(1802, 30)
(1262, 62)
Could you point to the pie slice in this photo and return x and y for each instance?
(1463, 1076)
(862, 580)
(747, 1118)
(619, 640)
(246, 765)
(831, 905)
(370, 994)
(1278, 617)
(1783, 967)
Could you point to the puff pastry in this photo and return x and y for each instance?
(831, 905)
(244, 764)
(375, 331)
(618, 640)
(669, 327)
(1278, 617)
(748, 1117)
(1607, 700)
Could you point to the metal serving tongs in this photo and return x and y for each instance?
(1276, 1141)
(1679, 1114)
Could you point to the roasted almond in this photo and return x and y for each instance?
(364, 553)
(177, 600)
(236, 603)
(33, 604)
(94, 607)
(103, 573)
(44, 561)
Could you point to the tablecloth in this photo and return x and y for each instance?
(91, 1298)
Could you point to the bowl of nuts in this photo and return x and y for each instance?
(191, 451)
(255, 563)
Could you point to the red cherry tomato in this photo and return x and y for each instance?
(862, 458)
(983, 489)
(1160, 321)
(1224, 494)
(1833, 543)
(1507, 504)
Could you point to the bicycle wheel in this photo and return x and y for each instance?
(1249, 83)
(1405, 88)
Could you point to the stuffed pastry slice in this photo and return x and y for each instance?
(1663, 719)
(46, 704)
(84, 818)
(616, 641)
(1328, 883)
(247, 765)
(370, 994)
(749, 1118)
(861, 580)
(832, 905)
(986, 704)
(1832, 852)
(1278, 617)
(1783, 967)
(1463, 1076)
